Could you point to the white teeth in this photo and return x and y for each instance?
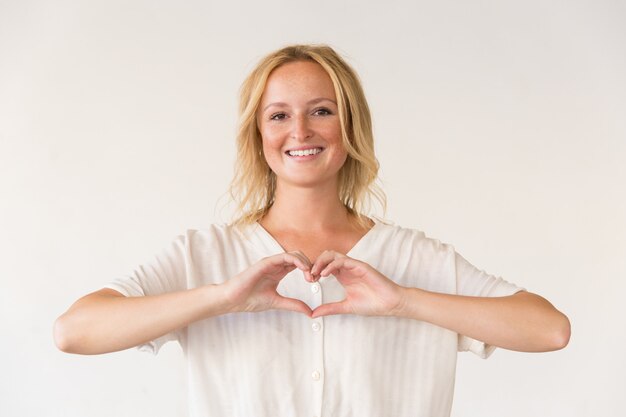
(305, 152)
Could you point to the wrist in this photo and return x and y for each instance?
(399, 310)
(216, 300)
(408, 306)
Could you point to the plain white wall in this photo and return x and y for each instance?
(500, 128)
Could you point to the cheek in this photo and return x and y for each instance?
(332, 132)
(271, 135)
(341, 158)
(271, 146)
(271, 152)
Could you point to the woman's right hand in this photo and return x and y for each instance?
(107, 321)
(254, 289)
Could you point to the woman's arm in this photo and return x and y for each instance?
(523, 321)
(107, 321)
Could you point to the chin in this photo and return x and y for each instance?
(307, 182)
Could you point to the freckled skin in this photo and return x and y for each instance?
(298, 108)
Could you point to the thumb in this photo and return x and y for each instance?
(331, 308)
(292, 304)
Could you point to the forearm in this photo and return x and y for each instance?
(524, 321)
(106, 321)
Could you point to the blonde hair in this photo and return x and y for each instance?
(254, 184)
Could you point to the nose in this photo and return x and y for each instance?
(301, 129)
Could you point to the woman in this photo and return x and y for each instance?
(384, 309)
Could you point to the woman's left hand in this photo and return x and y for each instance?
(368, 292)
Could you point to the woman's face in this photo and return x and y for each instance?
(299, 124)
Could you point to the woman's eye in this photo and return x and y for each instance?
(322, 112)
(277, 116)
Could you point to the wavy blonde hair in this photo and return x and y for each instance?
(254, 184)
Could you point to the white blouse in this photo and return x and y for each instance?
(282, 363)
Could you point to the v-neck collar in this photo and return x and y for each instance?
(265, 242)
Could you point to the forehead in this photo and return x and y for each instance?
(299, 78)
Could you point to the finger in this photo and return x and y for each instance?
(290, 268)
(302, 256)
(309, 277)
(331, 308)
(306, 261)
(301, 261)
(292, 304)
(324, 259)
(334, 267)
(286, 259)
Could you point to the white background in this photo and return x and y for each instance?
(500, 128)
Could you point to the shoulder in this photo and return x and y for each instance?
(412, 258)
(219, 234)
(409, 238)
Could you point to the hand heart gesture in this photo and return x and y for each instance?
(254, 289)
(368, 292)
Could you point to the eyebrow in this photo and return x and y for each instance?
(314, 101)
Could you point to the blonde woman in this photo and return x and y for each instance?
(304, 305)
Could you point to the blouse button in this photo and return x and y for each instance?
(315, 288)
(316, 326)
(315, 375)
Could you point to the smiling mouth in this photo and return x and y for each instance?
(305, 152)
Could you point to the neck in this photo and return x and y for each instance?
(307, 209)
